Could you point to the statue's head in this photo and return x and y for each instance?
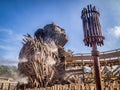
(52, 32)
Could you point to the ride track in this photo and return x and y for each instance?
(111, 57)
(109, 67)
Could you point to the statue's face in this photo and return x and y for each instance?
(53, 33)
(59, 36)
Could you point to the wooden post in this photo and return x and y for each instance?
(9, 86)
(2, 86)
(97, 73)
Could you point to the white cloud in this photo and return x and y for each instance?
(10, 44)
(115, 31)
(5, 47)
(7, 31)
(10, 35)
(11, 40)
(112, 39)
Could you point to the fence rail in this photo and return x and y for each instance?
(104, 52)
(12, 86)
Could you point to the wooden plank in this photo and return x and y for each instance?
(2, 86)
(88, 57)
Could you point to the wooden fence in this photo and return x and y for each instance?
(12, 86)
(7, 86)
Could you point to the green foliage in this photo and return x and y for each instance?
(7, 71)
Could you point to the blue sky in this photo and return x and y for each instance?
(19, 17)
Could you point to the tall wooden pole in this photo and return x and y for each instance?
(93, 37)
(97, 73)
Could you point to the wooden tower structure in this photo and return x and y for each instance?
(93, 37)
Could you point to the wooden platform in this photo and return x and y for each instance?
(107, 57)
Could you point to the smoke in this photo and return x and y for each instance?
(54, 47)
(19, 78)
(23, 60)
(54, 51)
(51, 61)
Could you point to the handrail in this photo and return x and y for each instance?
(104, 52)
